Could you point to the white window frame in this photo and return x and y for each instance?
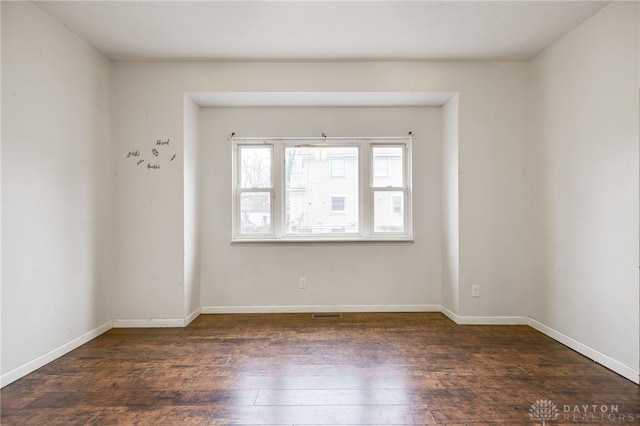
(366, 190)
(239, 190)
(404, 188)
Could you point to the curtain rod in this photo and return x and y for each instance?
(318, 138)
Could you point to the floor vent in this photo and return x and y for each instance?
(327, 315)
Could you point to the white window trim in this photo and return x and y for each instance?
(405, 188)
(365, 192)
(238, 190)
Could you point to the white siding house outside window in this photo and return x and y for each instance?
(306, 189)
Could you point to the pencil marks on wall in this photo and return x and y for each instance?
(160, 155)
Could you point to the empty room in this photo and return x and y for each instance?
(320, 212)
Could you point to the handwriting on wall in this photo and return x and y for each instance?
(160, 153)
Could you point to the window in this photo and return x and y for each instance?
(285, 189)
(388, 189)
(381, 167)
(338, 167)
(338, 204)
(255, 189)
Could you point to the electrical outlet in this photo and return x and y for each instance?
(302, 282)
(475, 290)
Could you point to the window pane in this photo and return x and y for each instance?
(255, 212)
(386, 208)
(255, 167)
(388, 166)
(310, 206)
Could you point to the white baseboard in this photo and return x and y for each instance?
(450, 314)
(484, 320)
(155, 322)
(613, 365)
(288, 309)
(497, 320)
(193, 315)
(33, 365)
(148, 323)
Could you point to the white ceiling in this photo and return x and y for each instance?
(320, 30)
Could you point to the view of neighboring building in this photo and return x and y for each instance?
(322, 189)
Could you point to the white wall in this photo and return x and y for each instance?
(192, 222)
(389, 276)
(149, 216)
(450, 209)
(583, 188)
(492, 227)
(56, 192)
(149, 263)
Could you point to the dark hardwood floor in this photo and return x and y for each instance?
(284, 369)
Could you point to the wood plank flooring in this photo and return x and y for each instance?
(286, 369)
